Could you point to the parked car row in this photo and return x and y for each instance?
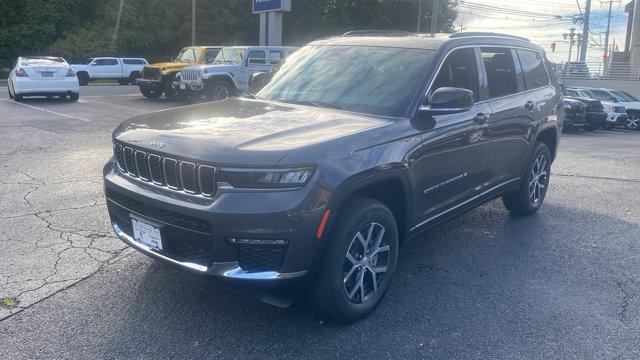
(598, 108)
(210, 72)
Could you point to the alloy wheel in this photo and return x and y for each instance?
(633, 122)
(220, 92)
(365, 263)
(539, 179)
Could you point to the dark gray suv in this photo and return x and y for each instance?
(357, 143)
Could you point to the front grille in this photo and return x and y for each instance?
(619, 109)
(190, 74)
(261, 257)
(165, 171)
(158, 214)
(151, 73)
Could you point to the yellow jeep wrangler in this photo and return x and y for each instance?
(159, 78)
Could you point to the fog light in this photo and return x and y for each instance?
(259, 241)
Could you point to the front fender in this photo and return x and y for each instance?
(227, 76)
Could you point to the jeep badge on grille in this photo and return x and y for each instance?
(157, 143)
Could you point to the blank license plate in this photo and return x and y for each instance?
(146, 234)
(46, 74)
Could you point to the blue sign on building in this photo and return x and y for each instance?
(260, 6)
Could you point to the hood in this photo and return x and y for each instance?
(214, 68)
(240, 131)
(173, 65)
(635, 105)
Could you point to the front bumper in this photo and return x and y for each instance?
(575, 120)
(149, 83)
(191, 86)
(28, 86)
(596, 118)
(196, 232)
(617, 118)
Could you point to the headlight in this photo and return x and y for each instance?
(610, 108)
(266, 178)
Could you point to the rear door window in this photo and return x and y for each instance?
(535, 75)
(133, 61)
(106, 62)
(257, 57)
(501, 71)
(276, 56)
(459, 70)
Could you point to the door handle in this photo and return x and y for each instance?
(481, 118)
(530, 105)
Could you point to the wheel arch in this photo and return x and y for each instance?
(550, 137)
(390, 187)
(222, 76)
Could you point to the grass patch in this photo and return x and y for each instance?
(9, 302)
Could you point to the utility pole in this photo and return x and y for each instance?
(579, 51)
(571, 35)
(193, 22)
(606, 37)
(419, 15)
(585, 32)
(434, 18)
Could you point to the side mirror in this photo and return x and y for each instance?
(448, 100)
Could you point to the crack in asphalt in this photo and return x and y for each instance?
(627, 296)
(596, 177)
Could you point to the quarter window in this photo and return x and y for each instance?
(501, 73)
(535, 75)
(276, 56)
(459, 70)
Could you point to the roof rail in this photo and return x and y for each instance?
(377, 33)
(489, 34)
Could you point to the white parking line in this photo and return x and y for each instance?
(47, 111)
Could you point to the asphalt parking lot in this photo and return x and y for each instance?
(563, 284)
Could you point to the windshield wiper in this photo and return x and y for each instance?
(311, 103)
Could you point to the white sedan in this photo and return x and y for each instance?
(42, 76)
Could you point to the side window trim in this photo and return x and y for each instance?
(522, 85)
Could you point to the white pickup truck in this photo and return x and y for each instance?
(125, 70)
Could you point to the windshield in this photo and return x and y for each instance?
(623, 96)
(188, 55)
(602, 95)
(229, 56)
(367, 79)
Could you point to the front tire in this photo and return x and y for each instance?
(358, 263)
(169, 90)
(218, 90)
(633, 122)
(529, 197)
(151, 93)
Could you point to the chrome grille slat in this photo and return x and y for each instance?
(175, 174)
(190, 74)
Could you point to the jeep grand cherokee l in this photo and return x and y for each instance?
(357, 143)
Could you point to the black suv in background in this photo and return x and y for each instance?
(357, 143)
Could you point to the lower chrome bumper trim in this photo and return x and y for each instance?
(229, 270)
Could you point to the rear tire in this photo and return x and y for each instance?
(74, 97)
(9, 91)
(133, 76)
(151, 93)
(18, 97)
(83, 79)
(529, 197)
(362, 251)
(123, 81)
